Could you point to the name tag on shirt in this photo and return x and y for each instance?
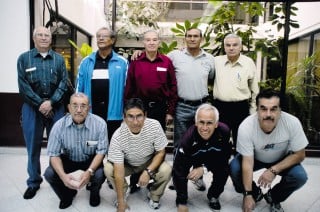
(31, 69)
(92, 143)
(161, 69)
(100, 74)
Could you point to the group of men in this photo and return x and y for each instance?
(120, 111)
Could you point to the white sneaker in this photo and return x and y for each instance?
(153, 204)
(276, 207)
(115, 202)
(199, 184)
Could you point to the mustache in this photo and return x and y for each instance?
(268, 118)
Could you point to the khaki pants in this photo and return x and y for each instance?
(162, 177)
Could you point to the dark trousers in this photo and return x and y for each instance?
(232, 114)
(158, 111)
(215, 163)
(65, 193)
(112, 126)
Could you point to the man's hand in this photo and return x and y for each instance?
(169, 119)
(182, 208)
(136, 54)
(266, 179)
(122, 206)
(144, 179)
(196, 173)
(85, 179)
(68, 180)
(248, 203)
(46, 109)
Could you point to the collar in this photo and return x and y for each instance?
(36, 53)
(98, 57)
(158, 57)
(238, 62)
(201, 54)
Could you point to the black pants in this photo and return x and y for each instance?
(232, 114)
(217, 163)
(158, 111)
(65, 193)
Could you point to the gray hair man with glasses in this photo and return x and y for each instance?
(42, 80)
(77, 147)
(138, 146)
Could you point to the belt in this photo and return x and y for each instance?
(194, 102)
(153, 104)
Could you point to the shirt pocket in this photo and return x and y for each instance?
(89, 147)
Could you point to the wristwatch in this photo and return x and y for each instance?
(91, 171)
(150, 173)
(247, 193)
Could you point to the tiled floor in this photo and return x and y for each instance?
(13, 175)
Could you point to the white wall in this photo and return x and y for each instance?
(308, 18)
(14, 21)
(87, 14)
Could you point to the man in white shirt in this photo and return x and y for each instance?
(138, 146)
(274, 140)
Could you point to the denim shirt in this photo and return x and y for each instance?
(41, 78)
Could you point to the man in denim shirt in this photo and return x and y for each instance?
(42, 80)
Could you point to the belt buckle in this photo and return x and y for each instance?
(150, 104)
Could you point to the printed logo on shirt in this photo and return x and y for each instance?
(161, 69)
(31, 69)
(276, 146)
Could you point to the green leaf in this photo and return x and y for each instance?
(187, 24)
(179, 26)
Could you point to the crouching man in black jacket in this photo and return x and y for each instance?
(206, 144)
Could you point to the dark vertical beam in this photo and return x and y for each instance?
(287, 4)
(31, 27)
(114, 14)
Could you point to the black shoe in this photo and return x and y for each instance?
(109, 184)
(30, 192)
(88, 186)
(171, 187)
(258, 196)
(94, 198)
(65, 204)
(267, 197)
(200, 184)
(134, 188)
(214, 204)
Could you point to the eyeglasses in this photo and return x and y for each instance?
(76, 107)
(131, 118)
(103, 37)
(40, 35)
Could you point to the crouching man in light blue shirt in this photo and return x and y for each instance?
(77, 146)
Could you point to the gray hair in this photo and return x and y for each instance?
(233, 36)
(207, 106)
(151, 30)
(79, 94)
(39, 27)
(113, 34)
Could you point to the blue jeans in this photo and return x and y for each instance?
(291, 179)
(33, 125)
(184, 118)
